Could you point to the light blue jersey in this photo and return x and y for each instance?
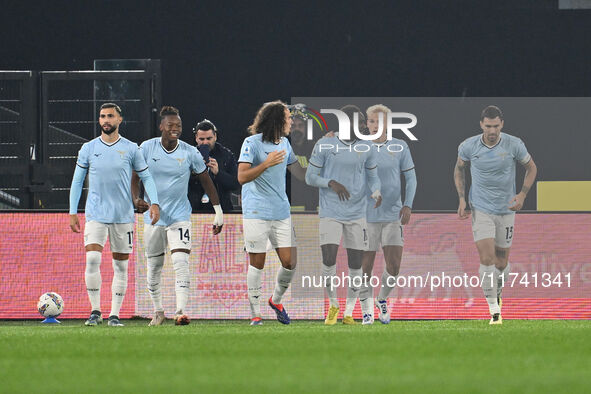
(493, 171)
(393, 158)
(265, 197)
(351, 164)
(109, 180)
(171, 172)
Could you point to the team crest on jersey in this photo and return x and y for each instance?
(180, 160)
(502, 155)
(122, 153)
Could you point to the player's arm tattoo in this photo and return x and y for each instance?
(460, 177)
(530, 176)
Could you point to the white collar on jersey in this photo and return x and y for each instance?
(490, 147)
(166, 150)
(109, 144)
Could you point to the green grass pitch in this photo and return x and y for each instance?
(230, 356)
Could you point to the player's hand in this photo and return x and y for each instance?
(154, 213)
(218, 221)
(141, 205)
(378, 197)
(74, 223)
(405, 215)
(340, 190)
(517, 202)
(213, 166)
(463, 213)
(274, 158)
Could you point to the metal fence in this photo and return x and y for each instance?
(46, 117)
(18, 134)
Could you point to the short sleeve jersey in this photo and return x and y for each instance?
(265, 197)
(493, 171)
(109, 178)
(346, 163)
(171, 171)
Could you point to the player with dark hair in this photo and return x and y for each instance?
(343, 170)
(172, 162)
(109, 160)
(264, 158)
(492, 156)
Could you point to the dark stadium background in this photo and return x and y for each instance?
(222, 60)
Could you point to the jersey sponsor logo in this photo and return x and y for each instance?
(155, 159)
(97, 154)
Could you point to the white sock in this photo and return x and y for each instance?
(503, 278)
(366, 298)
(253, 282)
(118, 286)
(92, 277)
(327, 274)
(353, 290)
(180, 263)
(388, 284)
(489, 287)
(284, 277)
(154, 276)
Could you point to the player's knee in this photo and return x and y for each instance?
(93, 261)
(180, 262)
(487, 259)
(289, 264)
(393, 269)
(120, 267)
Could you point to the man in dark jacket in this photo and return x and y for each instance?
(222, 167)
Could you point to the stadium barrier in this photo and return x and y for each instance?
(550, 264)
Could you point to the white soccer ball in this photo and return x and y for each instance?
(50, 305)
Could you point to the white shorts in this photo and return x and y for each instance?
(385, 234)
(120, 235)
(258, 233)
(499, 227)
(354, 233)
(176, 236)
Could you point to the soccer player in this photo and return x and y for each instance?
(341, 169)
(492, 156)
(109, 159)
(384, 224)
(172, 162)
(264, 158)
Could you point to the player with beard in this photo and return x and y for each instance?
(172, 162)
(109, 160)
(492, 157)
